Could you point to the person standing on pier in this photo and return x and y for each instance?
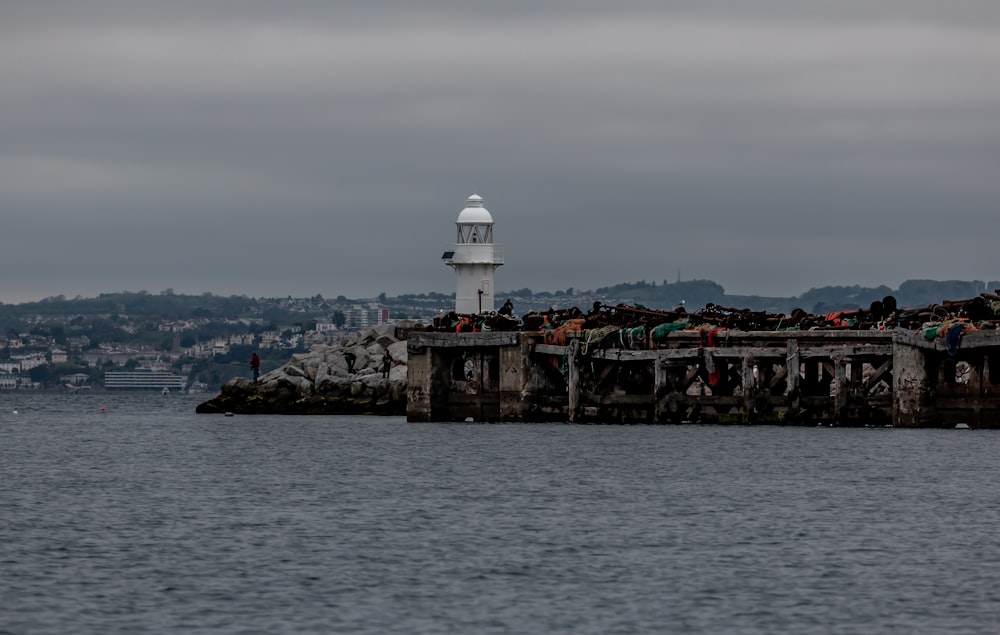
(255, 366)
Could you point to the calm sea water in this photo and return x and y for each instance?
(147, 518)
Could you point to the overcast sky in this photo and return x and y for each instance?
(315, 146)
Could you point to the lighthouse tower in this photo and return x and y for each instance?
(474, 258)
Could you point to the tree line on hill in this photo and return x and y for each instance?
(273, 312)
(695, 294)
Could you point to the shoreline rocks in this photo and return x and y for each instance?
(318, 381)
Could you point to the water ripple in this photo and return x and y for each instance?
(147, 518)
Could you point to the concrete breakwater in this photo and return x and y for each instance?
(840, 377)
(342, 379)
(932, 367)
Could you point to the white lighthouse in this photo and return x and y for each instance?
(474, 258)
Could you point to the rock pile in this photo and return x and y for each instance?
(321, 382)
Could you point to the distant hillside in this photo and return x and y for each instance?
(696, 294)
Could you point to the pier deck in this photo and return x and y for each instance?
(836, 377)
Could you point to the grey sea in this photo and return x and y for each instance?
(144, 517)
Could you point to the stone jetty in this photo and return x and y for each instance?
(937, 366)
(320, 381)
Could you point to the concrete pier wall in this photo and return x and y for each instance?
(836, 377)
(935, 387)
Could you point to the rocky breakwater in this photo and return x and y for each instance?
(321, 381)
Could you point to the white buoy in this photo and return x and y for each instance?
(15, 411)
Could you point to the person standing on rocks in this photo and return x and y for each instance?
(255, 366)
(386, 364)
(350, 358)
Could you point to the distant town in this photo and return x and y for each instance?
(136, 341)
(195, 343)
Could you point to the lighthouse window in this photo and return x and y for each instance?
(475, 234)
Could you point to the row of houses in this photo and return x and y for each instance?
(24, 363)
(28, 351)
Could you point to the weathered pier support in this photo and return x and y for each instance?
(834, 377)
(937, 388)
(458, 376)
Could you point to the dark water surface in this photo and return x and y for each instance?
(149, 518)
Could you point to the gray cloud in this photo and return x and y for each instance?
(313, 147)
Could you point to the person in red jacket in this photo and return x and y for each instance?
(255, 366)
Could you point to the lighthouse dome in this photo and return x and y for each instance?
(474, 213)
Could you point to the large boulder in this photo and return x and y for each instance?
(398, 352)
(317, 382)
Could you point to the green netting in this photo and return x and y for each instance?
(660, 333)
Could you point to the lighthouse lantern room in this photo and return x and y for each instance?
(474, 257)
